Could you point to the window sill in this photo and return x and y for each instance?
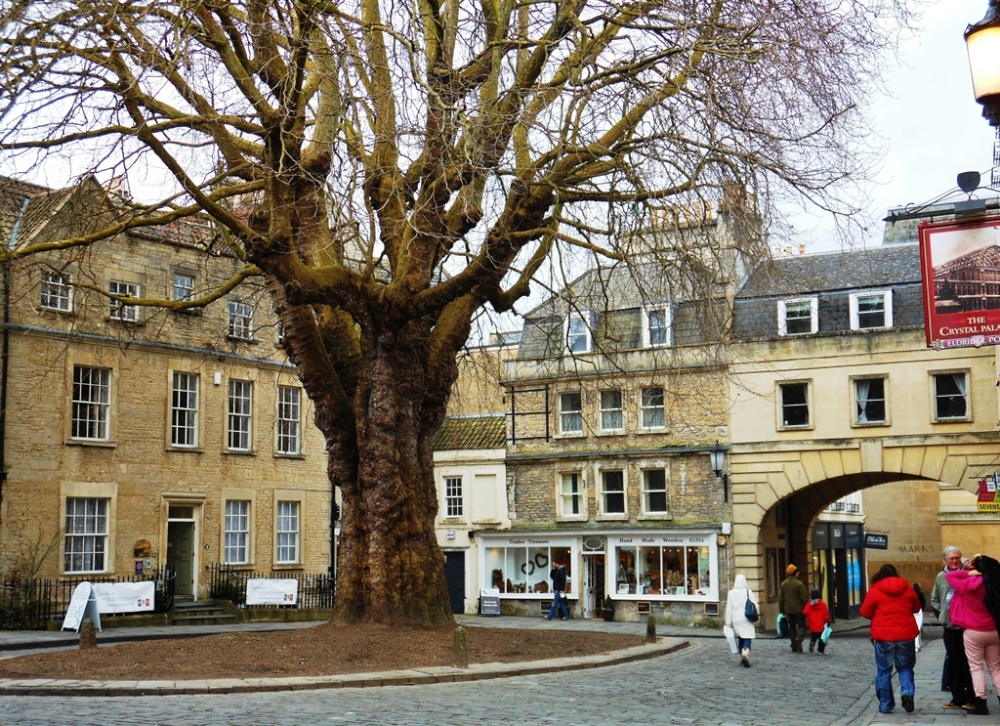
(654, 430)
(236, 452)
(951, 420)
(575, 519)
(288, 566)
(569, 435)
(807, 427)
(236, 566)
(611, 432)
(655, 515)
(293, 457)
(56, 311)
(238, 339)
(868, 424)
(186, 449)
(110, 444)
(623, 517)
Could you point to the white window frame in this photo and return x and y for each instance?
(961, 375)
(288, 535)
(236, 532)
(808, 406)
(181, 286)
(118, 310)
(647, 492)
(783, 306)
(604, 492)
(240, 320)
(611, 409)
(454, 496)
(855, 304)
(570, 415)
(56, 292)
(571, 333)
(90, 415)
(239, 421)
(647, 329)
(289, 415)
(858, 395)
(571, 486)
(87, 529)
(646, 410)
(184, 395)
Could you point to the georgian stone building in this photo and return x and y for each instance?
(134, 436)
(616, 397)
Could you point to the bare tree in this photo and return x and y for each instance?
(391, 167)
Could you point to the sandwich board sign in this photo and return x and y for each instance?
(82, 605)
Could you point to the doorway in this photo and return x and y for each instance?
(181, 549)
(454, 575)
(593, 584)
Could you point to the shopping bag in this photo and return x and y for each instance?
(827, 632)
(727, 630)
(781, 625)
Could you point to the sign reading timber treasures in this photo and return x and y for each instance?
(960, 266)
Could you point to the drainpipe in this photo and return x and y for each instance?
(5, 347)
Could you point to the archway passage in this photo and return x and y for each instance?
(778, 496)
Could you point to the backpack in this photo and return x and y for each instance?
(750, 610)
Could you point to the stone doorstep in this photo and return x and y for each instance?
(422, 676)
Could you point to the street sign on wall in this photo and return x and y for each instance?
(876, 541)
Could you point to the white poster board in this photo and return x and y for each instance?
(268, 591)
(82, 605)
(125, 597)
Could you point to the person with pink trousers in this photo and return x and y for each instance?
(982, 641)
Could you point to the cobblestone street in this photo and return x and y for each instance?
(703, 684)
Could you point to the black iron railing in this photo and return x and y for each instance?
(225, 583)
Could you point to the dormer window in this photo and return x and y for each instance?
(578, 334)
(656, 326)
(798, 317)
(871, 310)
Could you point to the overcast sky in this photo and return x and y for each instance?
(931, 126)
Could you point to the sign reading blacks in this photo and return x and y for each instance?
(876, 541)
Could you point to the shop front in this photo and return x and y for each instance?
(673, 574)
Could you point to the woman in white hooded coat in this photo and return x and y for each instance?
(736, 618)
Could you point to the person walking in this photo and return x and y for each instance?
(736, 606)
(982, 641)
(792, 596)
(817, 616)
(558, 575)
(891, 604)
(959, 677)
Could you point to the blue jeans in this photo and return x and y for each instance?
(742, 643)
(558, 603)
(903, 655)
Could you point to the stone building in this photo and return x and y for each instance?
(614, 402)
(135, 436)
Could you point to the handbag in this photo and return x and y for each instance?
(781, 625)
(750, 610)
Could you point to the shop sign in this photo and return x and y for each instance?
(876, 541)
(989, 494)
(489, 601)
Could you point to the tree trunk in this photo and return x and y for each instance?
(389, 566)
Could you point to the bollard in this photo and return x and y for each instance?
(461, 648)
(88, 634)
(650, 629)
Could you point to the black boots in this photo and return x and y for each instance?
(981, 708)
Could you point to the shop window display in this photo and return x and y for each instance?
(666, 571)
(525, 569)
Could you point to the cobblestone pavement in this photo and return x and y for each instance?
(701, 685)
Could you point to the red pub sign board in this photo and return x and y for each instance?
(960, 266)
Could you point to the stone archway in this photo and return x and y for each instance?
(810, 475)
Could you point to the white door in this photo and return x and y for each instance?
(590, 605)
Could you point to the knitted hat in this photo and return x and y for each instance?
(791, 570)
(815, 594)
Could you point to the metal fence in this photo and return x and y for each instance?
(314, 591)
(32, 603)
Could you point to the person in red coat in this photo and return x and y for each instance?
(890, 604)
(817, 615)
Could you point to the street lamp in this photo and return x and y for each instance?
(717, 457)
(982, 40)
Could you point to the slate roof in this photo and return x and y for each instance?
(471, 432)
(876, 267)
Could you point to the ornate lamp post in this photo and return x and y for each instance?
(982, 41)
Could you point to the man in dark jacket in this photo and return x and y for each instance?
(793, 596)
(558, 575)
(959, 677)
